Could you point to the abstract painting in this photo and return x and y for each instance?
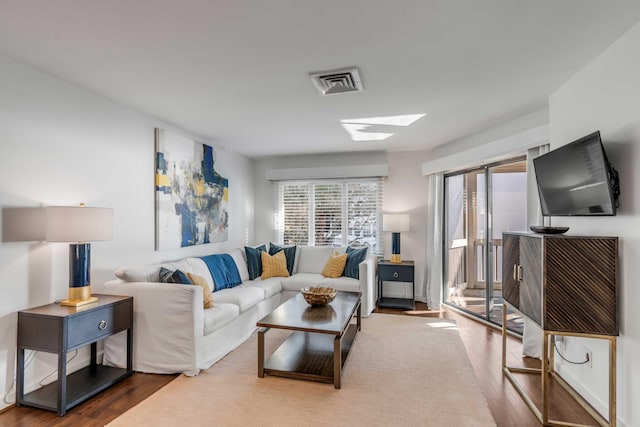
(191, 197)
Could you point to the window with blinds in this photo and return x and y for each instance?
(330, 213)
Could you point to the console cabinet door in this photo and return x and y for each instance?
(510, 266)
(580, 287)
(531, 258)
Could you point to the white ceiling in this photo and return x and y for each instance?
(235, 71)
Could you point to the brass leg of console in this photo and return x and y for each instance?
(547, 372)
(613, 373)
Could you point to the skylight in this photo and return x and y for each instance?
(356, 133)
(357, 128)
(404, 120)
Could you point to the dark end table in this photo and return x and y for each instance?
(59, 329)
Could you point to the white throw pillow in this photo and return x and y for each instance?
(143, 273)
(199, 267)
(238, 258)
(312, 259)
(182, 265)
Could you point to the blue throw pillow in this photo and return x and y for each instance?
(168, 276)
(289, 254)
(254, 260)
(354, 258)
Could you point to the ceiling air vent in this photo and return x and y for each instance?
(337, 81)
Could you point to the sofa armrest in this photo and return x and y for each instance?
(367, 271)
(168, 320)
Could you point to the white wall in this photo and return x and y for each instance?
(605, 95)
(405, 191)
(493, 143)
(60, 145)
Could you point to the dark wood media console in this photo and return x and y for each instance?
(567, 285)
(563, 283)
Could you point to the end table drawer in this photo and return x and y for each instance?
(98, 323)
(396, 273)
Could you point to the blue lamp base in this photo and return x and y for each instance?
(79, 275)
(395, 247)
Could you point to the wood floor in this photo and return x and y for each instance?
(98, 411)
(483, 345)
(484, 348)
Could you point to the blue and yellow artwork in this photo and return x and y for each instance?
(191, 196)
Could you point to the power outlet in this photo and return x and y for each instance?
(589, 357)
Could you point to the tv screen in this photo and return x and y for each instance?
(577, 179)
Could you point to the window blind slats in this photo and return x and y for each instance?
(295, 215)
(330, 213)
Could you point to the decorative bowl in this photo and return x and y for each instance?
(548, 230)
(318, 296)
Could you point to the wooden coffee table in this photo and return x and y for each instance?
(320, 343)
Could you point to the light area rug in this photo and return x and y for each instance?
(402, 371)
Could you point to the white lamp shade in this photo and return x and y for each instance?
(78, 224)
(395, 222)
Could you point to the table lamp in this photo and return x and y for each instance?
(80, 225)
(395, 223)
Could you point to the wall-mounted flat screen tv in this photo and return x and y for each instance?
(577, 179)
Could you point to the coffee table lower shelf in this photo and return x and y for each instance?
(308, 356)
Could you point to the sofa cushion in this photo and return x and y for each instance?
(178, 276)
(198, 266)
(335, 266)
(289, 253)
(207, 298)
(243, 296)
(145, 273)
(270, 286)
(254, 260)
(177, 265)
(313, 258)
(355, 257)
(218, 316)
(274, 266)
(341, 284)
(240, 264)
(301, 280)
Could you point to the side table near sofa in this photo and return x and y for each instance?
(396, 272)
(59, 329)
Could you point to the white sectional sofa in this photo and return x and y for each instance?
(173, 332)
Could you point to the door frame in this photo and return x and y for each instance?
(488, 250)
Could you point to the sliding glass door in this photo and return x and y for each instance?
(480, 204)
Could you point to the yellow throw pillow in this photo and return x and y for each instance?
(335, 266)
(274, 265)
(206, 293)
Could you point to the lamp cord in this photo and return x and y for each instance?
(29, 359)
(75, 353)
